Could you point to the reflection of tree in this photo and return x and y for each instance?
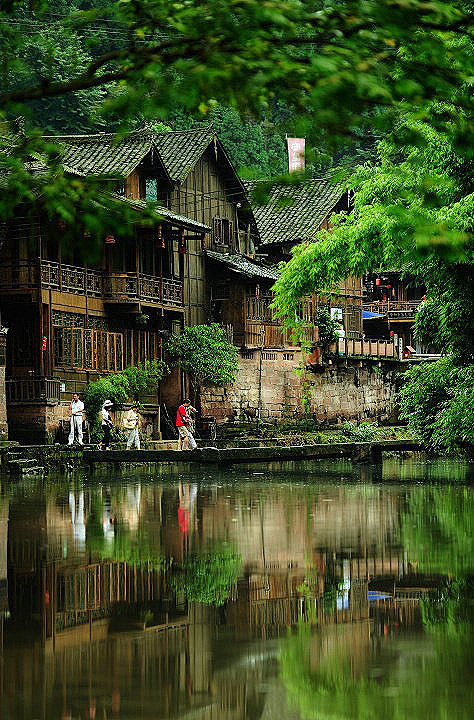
(434, 682)
(207, 577)
(437, 529)
(126, 545)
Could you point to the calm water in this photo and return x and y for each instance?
(283, 593)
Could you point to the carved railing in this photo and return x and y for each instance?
(394, 309)
(121, 287)
(32, 389)
(150, 288)
(172, 292)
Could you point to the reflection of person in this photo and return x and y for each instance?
(187, 496)
(77, 408)
(131, 421)
(107, 423)
(183, 422)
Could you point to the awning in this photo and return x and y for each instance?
(367, 315)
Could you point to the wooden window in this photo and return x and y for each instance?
(222, 231)
(86, 348)
(220, 292)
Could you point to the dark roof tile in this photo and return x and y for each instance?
(244, 265)
(294, 213)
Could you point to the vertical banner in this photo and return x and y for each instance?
(295, 154)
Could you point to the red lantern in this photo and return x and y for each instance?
(392, 333)
(44, 343)
(257, 292)
(109, 240)
(378, 282)
(389, 286)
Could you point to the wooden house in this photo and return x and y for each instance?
(69, 322)
(390, 305)
(289, 216)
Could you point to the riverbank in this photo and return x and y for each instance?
(41, 459)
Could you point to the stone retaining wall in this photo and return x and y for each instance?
(347, 389)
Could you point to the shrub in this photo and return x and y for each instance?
(119, 387)
(437, 400)
(205, 355)
(365, 432)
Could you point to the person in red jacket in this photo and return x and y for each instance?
(185, 437)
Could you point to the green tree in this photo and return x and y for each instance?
(331, 64)
(412, 210)
(119, 388)
(205, 355)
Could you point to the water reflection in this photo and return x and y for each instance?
(174, 598)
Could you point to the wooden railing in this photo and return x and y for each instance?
(377, 348)
(394, 309)
(31, 389)
(121, 287)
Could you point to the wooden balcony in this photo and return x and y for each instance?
(112, 287)
(24, 390)
(395, 310)
(274, 335)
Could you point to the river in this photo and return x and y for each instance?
(284, 592)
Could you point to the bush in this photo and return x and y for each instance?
(119, 387)
(205, 355)
(437, 400)
(365, 432)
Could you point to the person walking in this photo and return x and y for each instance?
(183, 421)
(131, 421)
(107, 424)
(76, 409)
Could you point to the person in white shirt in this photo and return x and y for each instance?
(131, 421)
(77, 409)
(107, 424)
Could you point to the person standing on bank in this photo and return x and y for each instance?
(76, 408)
(107, 424)
(130, 422)
(183, 420)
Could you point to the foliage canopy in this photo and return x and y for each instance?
(205, 355)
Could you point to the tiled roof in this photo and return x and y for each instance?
(244, 265)
(102, 154)
(180, 150)
(294, 213)
(163, 212)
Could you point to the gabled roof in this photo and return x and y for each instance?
(181, 149)
(244, 265)
(164, 213)
(102, 154)
(294, 213)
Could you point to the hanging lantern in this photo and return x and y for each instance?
(378, 282)
(44, 343)
(181, 244)
(109, 240)
(257, 292)
(389, 286)
(392, 333)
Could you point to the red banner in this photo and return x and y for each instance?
(295, 154)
